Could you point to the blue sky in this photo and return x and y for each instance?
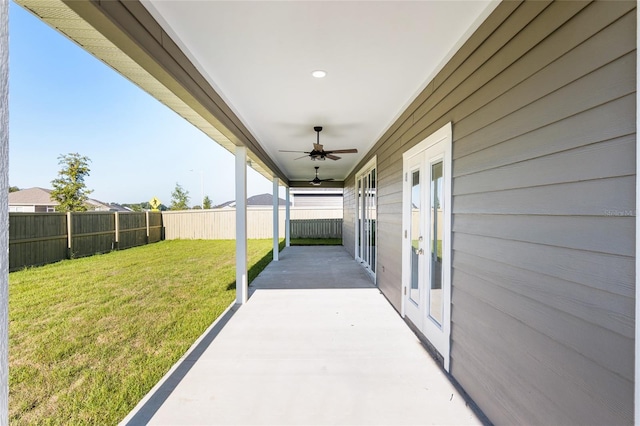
(64, 100)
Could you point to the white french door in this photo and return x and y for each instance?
(426, 246)
(366, 216)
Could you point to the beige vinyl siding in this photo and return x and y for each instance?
(542, 101)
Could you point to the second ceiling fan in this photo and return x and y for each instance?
(318, 152)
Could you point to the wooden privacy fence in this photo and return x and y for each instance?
(316, 228)
(41, 238)
(220, 224)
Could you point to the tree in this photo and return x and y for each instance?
(14, 189)
(69, 189)
(206, 203)
(179, 198)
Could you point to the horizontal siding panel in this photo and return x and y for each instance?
(611, 350)
(579, 130)
(589, 91)
(392, 198)
(596, 307)
(556, 75)
(612, 234)
(599, 197)
(612, 158)
(557, 14)
(395, 209)
(594, 18)
(516, 403)
(564, 370)
(492, 46)
(615, 274)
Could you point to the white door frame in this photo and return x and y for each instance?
(442, 339)
(366, 169)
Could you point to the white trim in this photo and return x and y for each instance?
(444, 134)
(287, 218)
(636, 386)
(276, 220)
(367, 168)
(242, 289)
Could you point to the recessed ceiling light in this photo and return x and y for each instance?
(319, 74)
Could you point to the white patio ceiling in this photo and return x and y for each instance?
(259, 56)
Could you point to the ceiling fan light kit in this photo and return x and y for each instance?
(317, 181)
(319, 154)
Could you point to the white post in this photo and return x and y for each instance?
(287, 220)
(69, 237)
(146, 218)
(242, 289)
(117, 238)
(637, 307)
(276, 230)
(4, 212)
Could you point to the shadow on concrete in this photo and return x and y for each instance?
(312, 267)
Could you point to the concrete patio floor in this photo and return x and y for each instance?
(315, 344)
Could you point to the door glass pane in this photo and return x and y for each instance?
(414, 291)
(435, 244)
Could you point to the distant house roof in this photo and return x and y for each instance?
(32, 197)
(115, 207)
(256, 200)
(42, 197)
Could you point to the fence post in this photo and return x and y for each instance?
(146, 218)
(69, 237)
(117, 242)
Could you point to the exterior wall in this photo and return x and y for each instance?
(349, 215)
(221, 223)
(542, 101)
(324, 200)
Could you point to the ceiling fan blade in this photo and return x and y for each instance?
(333, 157)
(326, 180)
(301, 152)
(300, 158)
(342, 151)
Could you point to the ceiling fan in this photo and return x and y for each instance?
(318, 152)
(317, 181)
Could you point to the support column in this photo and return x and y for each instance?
(242, 289)
(287, 220)
(276, 219)
(636, 385)
(4, 212)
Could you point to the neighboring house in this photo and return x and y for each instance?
(32, 200)
(38, 200)
(525, 139)
(261, 200)
(317, 197)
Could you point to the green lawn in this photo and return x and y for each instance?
(90, 337)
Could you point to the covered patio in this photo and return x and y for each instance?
(316, 343)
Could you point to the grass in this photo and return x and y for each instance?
(316, 241)
(88, 338)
